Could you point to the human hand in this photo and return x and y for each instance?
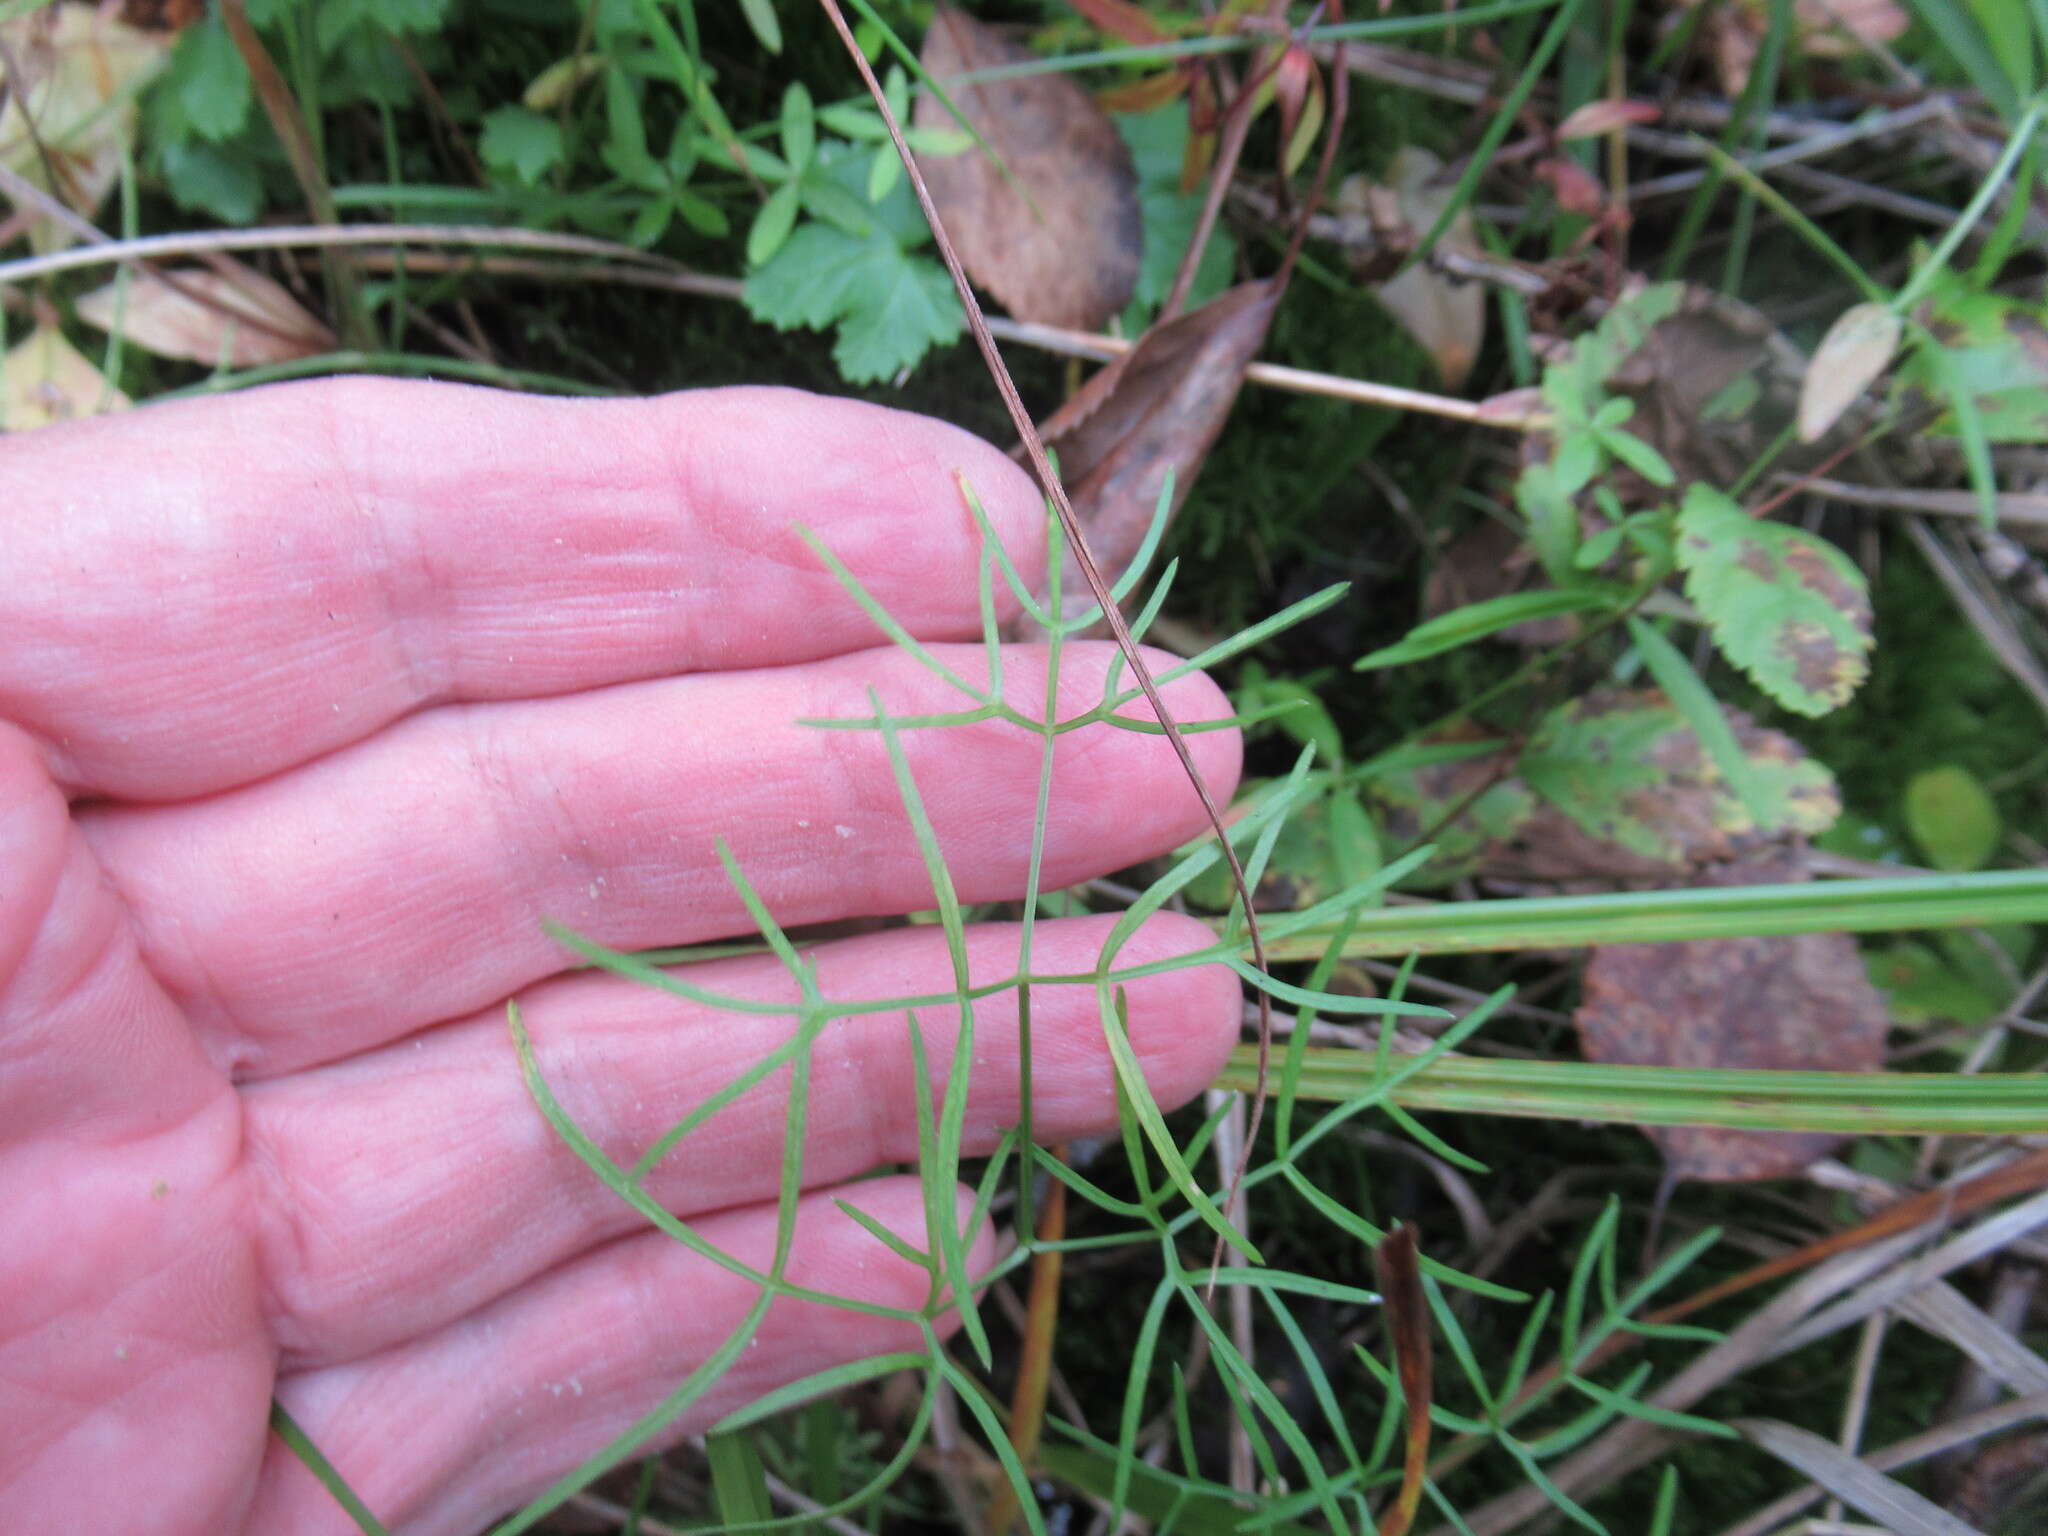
(314, 704)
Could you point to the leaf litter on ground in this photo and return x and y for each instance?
(1054, 231)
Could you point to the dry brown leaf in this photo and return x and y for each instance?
(1606, 115)
(1156, 410)
(45, 379)
(238, 318)
(1784, 1003)
(69, 76)
(1447, 318)
(1832, 29)
(1857, 348)
(1577, 189)
(1061, 244)
(1684, 379)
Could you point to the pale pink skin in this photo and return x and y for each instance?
(314, 703)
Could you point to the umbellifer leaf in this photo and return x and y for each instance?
(889, 304)
(1790, 609)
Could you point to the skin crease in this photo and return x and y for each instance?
(315, 703)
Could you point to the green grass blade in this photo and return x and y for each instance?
(301, 1445)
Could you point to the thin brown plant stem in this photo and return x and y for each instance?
(1070, 523)
(1340, 108)
(1400, 1279)
(1041, 1329)
(289, 124)
(28, 195)
(1237, 126)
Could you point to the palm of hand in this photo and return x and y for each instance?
(313, 705)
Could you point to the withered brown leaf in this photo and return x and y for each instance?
(231, 314)
(1158, 408)
(1061, 243)
(1781, 1003)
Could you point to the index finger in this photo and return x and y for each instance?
(208, 592)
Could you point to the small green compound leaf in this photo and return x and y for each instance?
(1790, 609)
(889, 305)
(1952, 818)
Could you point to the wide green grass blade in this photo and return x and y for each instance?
(1652, 917)
(1843, 1103)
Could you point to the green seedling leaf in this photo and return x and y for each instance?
(209, 82)
(890, 306)
(1858, 347)
(1788, 608)
(1952, 818)
(1475, 621)
(766, 25)
(799, 127)
(772, 225)
(1923, 988)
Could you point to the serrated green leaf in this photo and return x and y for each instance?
(889, 305)
(520, 143)
(1786, 607)
(1952, 818)
(211, 180)
(911, 306)
(209, 81)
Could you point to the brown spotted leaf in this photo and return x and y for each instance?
(1060, 242)
(1775, 1004)
(1788, 608)
(1613, 786)
(1155, 411)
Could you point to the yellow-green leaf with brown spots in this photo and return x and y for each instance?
(1788, 608)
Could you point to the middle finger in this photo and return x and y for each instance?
(407, 879)
(418, 1182)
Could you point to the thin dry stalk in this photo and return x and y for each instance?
(1903, 1453)
(1070, 524)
